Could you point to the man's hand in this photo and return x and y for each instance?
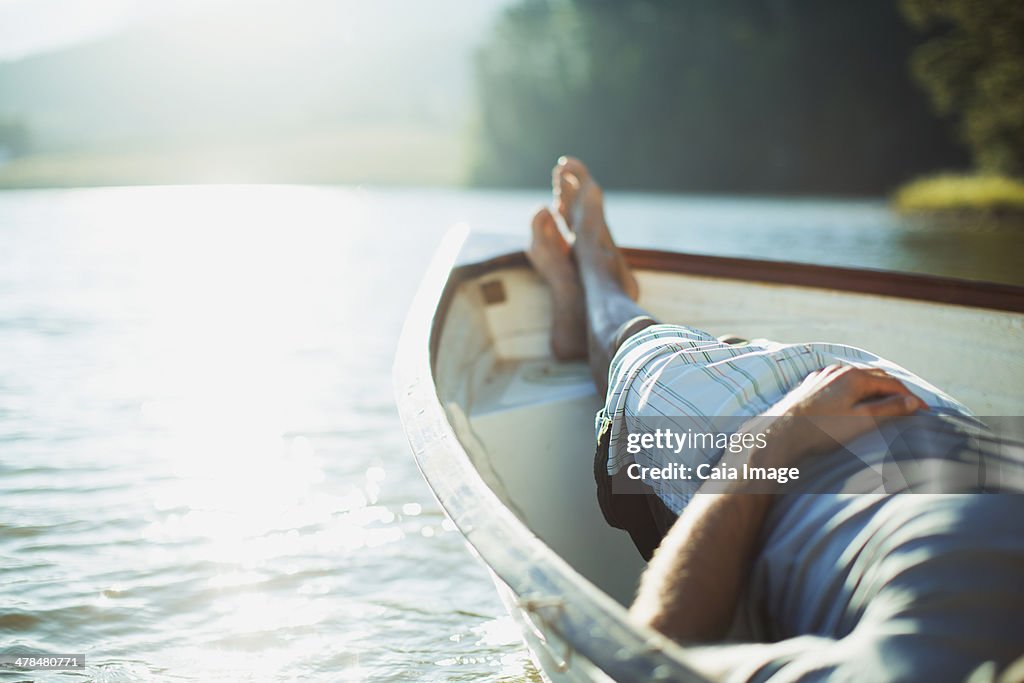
(846, 390)
(831, 407)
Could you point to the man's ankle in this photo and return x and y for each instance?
(631, 327)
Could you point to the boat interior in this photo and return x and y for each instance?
(527, 421)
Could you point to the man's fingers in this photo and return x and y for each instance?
(868, 384)
(832, 369)
(820, 376)
(896, 405)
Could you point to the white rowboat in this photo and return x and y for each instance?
(504, 434)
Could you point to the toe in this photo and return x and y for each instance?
(565, 186)
(546, 236)
(568, 178)
(575, 167)
(543, 223)
(563, 181)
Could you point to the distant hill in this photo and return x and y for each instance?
(267, 90)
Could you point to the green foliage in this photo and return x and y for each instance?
(533, 64)
(735, 95)
(973, 69)
(975, 193)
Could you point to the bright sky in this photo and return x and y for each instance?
(30, 26)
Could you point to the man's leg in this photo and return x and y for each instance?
(609, 286)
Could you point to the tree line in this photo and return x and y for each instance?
(758, 96)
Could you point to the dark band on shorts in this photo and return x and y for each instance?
(631, 327)
(629, 504)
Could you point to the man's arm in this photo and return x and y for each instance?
(691, 587)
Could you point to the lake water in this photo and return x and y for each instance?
(202, 472)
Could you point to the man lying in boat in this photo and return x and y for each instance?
(864, 587)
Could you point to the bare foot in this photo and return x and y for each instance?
(580, 201)
(550, 256)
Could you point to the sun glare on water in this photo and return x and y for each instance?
(233, 300)
(205, 475)
(230, 302)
